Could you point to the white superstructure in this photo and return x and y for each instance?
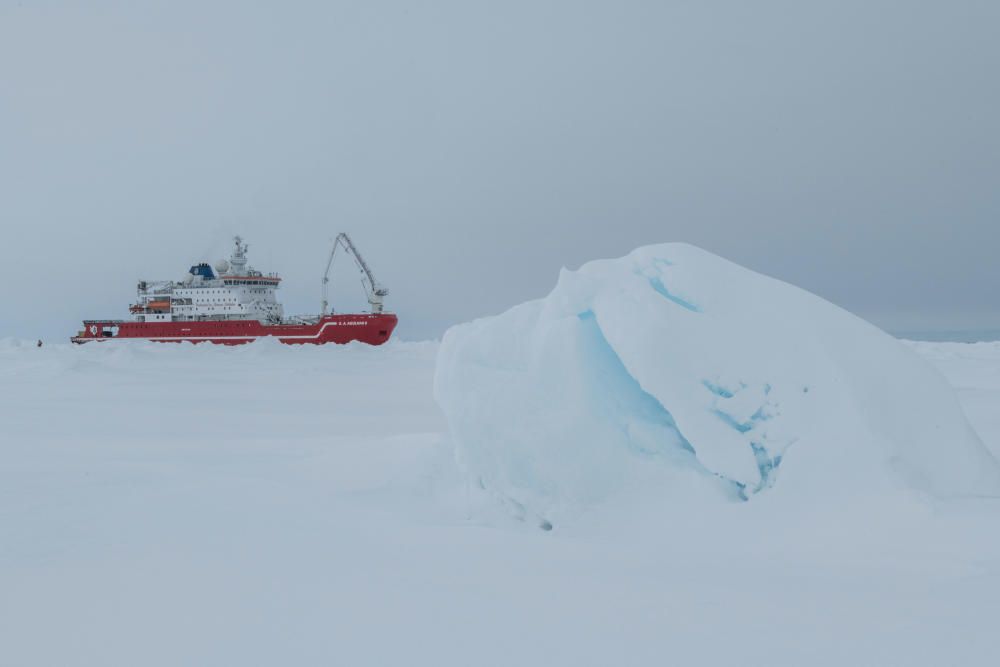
(233, 291)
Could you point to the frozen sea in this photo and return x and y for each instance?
(950, 336)
(262, 505)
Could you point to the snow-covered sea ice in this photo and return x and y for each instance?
(204, 505)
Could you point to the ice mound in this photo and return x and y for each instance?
(675, 367)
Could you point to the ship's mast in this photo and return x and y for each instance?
(373, 290)
(238, 260)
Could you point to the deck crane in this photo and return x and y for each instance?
(373, 290)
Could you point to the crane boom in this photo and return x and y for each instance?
(373, 290)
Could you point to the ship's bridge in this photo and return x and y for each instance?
(233, 290)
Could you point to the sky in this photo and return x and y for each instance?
(472, 149)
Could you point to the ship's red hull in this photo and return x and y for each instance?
(371, 329)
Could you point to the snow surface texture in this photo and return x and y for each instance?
(279, 505)
(676, 365)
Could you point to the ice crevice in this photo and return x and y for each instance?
(655, 277)
(767, 464)
(717, 389)
(657, 284)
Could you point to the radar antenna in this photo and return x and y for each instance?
(374, 291)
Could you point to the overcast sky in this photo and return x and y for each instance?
(474, 148)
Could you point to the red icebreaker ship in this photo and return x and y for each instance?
(234, 304)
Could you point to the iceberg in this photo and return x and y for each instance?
(674, 369)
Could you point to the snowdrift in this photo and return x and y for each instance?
(676, 369)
